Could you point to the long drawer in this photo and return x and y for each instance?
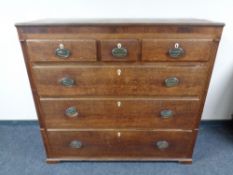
(161, 79)
(120, 145)
(107, 113)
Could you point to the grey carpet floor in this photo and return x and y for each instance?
(21, 153)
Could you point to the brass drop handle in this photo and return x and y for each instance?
(162, 144)
(62, 52)
(166, 113)
(67, 82)
(171, 81)
(176, 51)
(76, 144)
(119, 51)
(71, 112)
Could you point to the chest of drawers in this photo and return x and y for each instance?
(119, 89)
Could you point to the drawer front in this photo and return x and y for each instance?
(119, 50)
(121, 144)
(122, 113)
(161, 80)
(176, 49)
(62, 50)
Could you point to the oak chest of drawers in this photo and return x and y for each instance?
(119, 89)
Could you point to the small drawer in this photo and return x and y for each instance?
(176, 49)
(119, 50)
(62, 50)
(104, 113)
(122, 145)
